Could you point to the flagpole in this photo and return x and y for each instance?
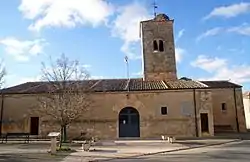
(155, 6)
(127, 65)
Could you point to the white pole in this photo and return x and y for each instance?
(126, 60)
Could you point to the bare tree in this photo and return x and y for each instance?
(2, 74)
(67, 95)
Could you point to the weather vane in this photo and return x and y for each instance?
(155, 7)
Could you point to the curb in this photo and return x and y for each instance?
(160, 152)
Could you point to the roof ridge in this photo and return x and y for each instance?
(43, 83)
(200, 83)
(215, 81)
(97, 82)
(167, 84)
(127, 85)
(163, 82)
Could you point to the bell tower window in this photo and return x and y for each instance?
(161, 46)
(158, 45)
(155, 45)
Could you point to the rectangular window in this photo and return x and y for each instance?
(164, 110)
(223, 107)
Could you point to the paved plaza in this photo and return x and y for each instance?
(232, 152)
(129, 151)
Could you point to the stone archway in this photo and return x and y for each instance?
(129, 122)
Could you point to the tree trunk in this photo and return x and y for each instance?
(64, 133)
(61, 137)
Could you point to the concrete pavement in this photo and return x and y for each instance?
(131, 149)
(106, 150)
(231, 152)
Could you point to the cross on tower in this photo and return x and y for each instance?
(155, 7)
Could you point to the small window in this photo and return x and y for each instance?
(164, 110)
(155, 45)
(161, 46)
(223, 107)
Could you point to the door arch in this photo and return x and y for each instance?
(129, 122)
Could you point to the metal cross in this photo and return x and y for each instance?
(155, 7)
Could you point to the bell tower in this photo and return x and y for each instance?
(158, 48)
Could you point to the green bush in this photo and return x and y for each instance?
(65, 149)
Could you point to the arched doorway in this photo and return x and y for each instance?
(129, 122)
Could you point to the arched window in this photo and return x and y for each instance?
(155, 45)
(161, 46)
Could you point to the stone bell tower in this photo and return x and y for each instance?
(158, 48)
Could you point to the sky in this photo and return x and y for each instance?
(211, 37)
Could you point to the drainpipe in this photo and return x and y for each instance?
(195, 114)
(236, 113)
(1, 117)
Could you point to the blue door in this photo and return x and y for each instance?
(129, 122)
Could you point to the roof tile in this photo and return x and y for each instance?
(183, 84)
(111, 85)
(220, 84)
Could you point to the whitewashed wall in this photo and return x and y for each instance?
(246, 101)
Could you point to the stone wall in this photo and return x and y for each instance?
(102, 118)
(156, 62)
(160, 76)
(204, 105)
(228, 117)
(240, 110)
(15, 113)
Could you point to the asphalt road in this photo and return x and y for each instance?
(20, 157)
(27, 153)
(225, 153)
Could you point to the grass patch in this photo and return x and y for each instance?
(65, 149)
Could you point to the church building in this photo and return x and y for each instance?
(158, 104)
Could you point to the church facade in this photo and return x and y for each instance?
(158, 104)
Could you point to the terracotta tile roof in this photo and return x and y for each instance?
(184, 84)
(220, 84)
(112, 85)
(138, 85)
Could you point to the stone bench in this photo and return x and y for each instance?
(17, 136)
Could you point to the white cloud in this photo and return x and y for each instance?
(97, 77)
(209, 64)
(22, 50)
(243, 29)
(210, 32)
(127, 27)
(86, 66)
(180, 34)
(138, 74)
(221, 69)
(65, 13)
(229, 11)
(179, 52)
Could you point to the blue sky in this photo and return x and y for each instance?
(211, 37)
